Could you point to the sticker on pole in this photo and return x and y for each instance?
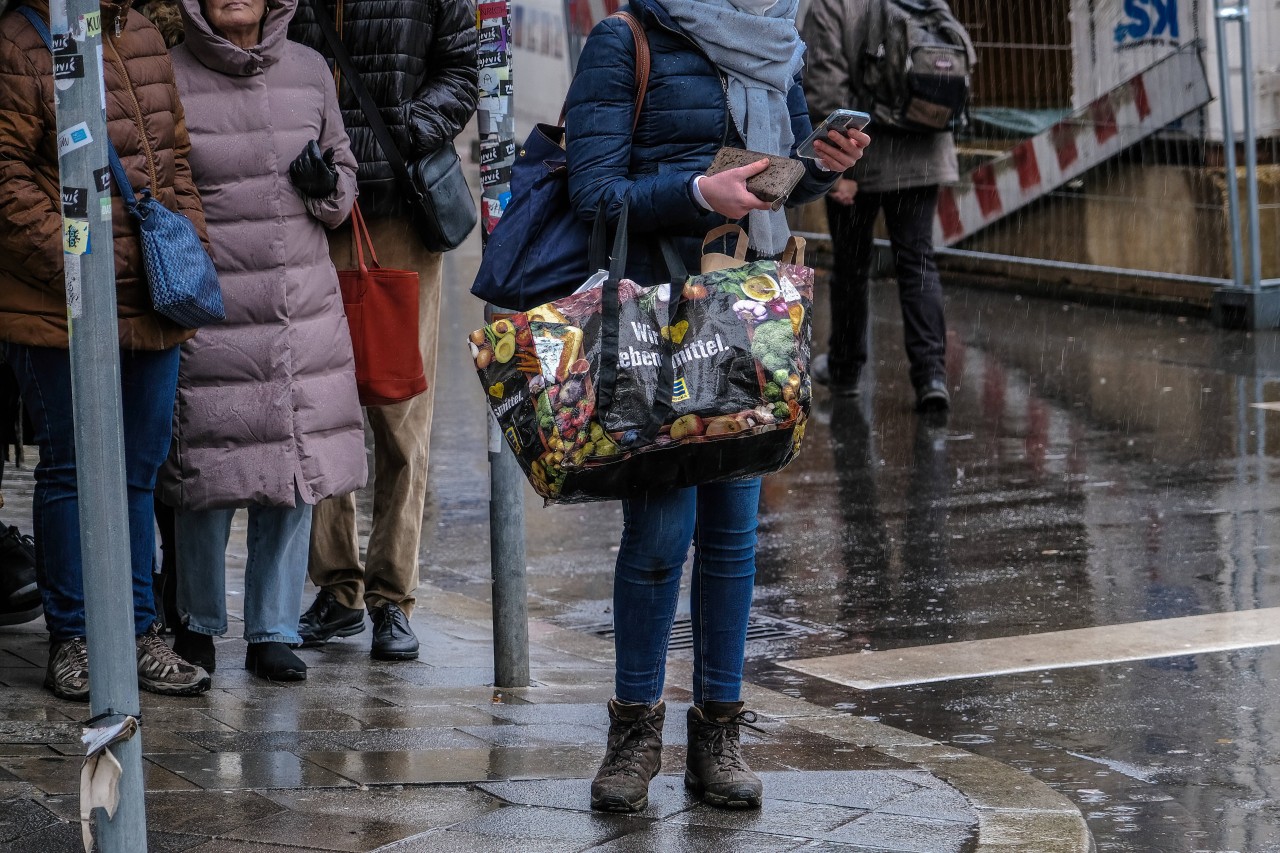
(74, 137)
(75, 306)
(75, 236)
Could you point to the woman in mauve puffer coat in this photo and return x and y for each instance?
(267, 416)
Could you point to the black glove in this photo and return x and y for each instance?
(313, 173)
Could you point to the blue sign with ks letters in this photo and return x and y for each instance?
(1147, 20)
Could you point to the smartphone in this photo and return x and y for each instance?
(841, 120)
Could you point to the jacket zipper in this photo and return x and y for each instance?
(147, 154)
(724, 83)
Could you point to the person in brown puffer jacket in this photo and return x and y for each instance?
(146, 125)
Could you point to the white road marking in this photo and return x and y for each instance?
(1188, 635)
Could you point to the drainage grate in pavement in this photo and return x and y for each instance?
(759, 629)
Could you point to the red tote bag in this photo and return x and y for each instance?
(382, 311)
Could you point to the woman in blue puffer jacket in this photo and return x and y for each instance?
(724, 73)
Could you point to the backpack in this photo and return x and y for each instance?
(916, 64)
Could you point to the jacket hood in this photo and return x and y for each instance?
(218, 54)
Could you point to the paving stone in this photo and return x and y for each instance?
(675, 838)
(186, 720)
(899, 834)
(854, 789)
(989, 784)
(826, 755)
(406, 695)
(774, 817)
(592, 715)
(448, 676)
(384, 740)
(205, 812)
(249, 770)
(227, 845)
(15, 709)
(937, 803)
(425, 716)
(457, 765)
(18, 731)
(426, 807)
(345, 833)
(574, 829)
(21, 817)
(448, 841)
(26, 750)
(667, 795)
(1011, 831)
(65, 838)
(294, 720)
(538, 735)
(60, 774)
(154, 742)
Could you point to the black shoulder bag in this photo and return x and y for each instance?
(441, 206)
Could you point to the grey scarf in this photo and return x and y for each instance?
(761, 55)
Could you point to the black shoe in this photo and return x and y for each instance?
(393, 639)
(274, 662)
(19, 594)
(714, 767)
(632, 758)
(196, 648)
(326, 619)
(932, 396)
(820, 372)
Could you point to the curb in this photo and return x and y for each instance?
(1017, 813)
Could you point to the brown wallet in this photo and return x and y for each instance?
(773, 185)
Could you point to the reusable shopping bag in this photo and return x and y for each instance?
(382, 312)
(621, 389)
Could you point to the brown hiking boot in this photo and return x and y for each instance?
(632, 758)
(715, 769)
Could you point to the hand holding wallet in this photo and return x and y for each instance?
(774, 185)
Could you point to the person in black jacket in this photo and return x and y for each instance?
(417, 58)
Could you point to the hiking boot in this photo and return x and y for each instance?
(274, 662)
(195, 648)
(19, 594)
(632, 758)
(326, 619)
(840, 386)
(162, 670)
(393, 639)
(715, 769)
(67, 675)
(932, 396)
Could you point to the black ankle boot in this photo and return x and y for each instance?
(633, 757)
(715, 769)
(194, 647)
(275, 662)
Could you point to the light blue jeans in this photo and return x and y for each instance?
(279, 538)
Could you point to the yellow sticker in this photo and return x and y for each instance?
(75, 236)
(93, 24)
(496, 390)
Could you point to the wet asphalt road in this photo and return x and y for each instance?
(1098, 467)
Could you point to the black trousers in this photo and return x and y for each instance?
(908, 217)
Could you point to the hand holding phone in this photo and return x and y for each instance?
(840, 120)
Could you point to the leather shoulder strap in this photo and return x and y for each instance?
(642, 61)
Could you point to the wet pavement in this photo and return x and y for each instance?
(429, 756)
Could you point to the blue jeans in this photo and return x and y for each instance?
(148, 382)
(279, 537)
(720, 520)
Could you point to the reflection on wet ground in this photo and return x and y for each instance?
(1099, 467)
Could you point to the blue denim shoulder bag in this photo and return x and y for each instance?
(183, 282)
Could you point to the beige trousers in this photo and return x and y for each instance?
(401, 439)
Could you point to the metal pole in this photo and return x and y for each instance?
(506, 482)
(1220, 18)
(1250, 147)
(95, 386)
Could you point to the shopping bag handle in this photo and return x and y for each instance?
(360, 236)
(794, 252)
(611, 320)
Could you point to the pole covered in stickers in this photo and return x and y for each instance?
(496, 118)
(89, 260)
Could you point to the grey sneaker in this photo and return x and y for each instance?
(67, 675)
(162, 670)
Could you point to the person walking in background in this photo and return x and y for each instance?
(900, 176)
(418, 61)
(724, 72)
(147, 127)
(268, 415)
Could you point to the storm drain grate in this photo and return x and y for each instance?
(759, 629)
